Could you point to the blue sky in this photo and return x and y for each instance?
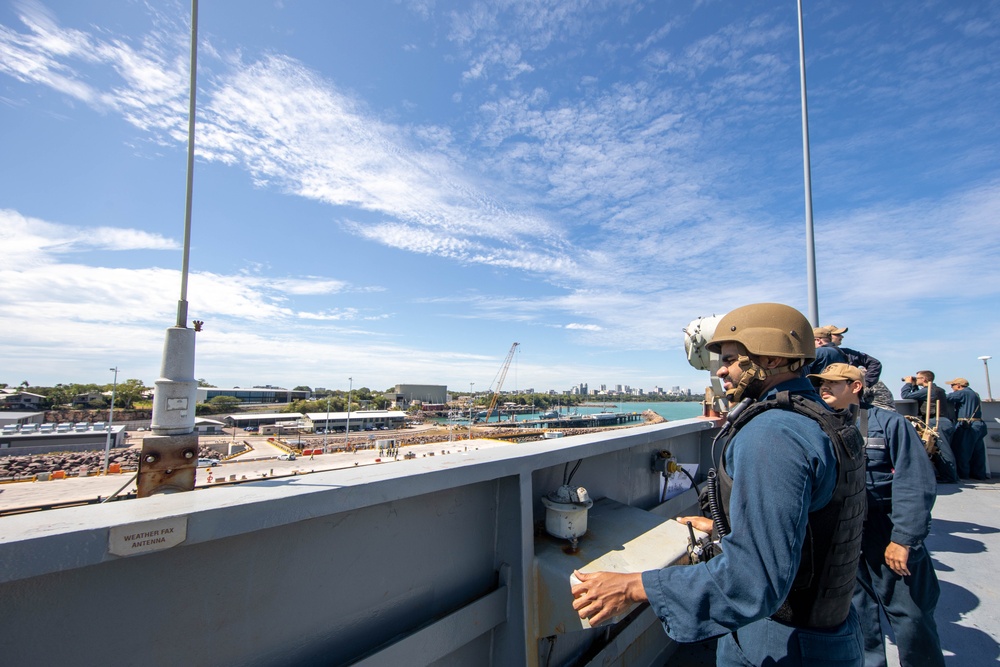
(396, 190)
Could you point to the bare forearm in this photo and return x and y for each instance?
(603, 595)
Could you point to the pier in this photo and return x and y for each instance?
(579, 421)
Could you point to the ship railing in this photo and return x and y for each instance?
(437, 559)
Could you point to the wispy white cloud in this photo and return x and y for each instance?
(41, 274)
(29, 241)
(309, 285)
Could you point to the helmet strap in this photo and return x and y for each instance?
(751, 382)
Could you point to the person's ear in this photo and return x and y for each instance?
(770, 362)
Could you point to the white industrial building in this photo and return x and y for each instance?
(253, 395)
(360, 420)
(32, 438)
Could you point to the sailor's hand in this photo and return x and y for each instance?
(702, 523)
(896, 556)
(603, 595)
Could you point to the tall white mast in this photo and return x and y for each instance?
(806, 168)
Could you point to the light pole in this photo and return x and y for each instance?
(111, 421)
(347, 432)
(986, 366)
(326, 427)
(471, 402)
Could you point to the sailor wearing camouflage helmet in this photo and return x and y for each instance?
(780, 591)
(896, 574)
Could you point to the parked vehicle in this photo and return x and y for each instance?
(207, 463)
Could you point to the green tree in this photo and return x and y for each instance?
(302, 387)
(203, 383)
(128, 392)
(337, 404)
(59, 395)
(224, 403)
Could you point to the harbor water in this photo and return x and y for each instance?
(670, 410)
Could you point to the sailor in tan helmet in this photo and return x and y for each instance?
(791, 473)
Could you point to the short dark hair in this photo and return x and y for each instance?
(928, 374)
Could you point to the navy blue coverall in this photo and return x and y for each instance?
(825, 355)
(872, 366)
(783, 467)
(969, 441)
(901, 493)
(944, 466)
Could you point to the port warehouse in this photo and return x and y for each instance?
(359, 420)
(255, 396)
(25, 433)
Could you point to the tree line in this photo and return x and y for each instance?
(130, 394)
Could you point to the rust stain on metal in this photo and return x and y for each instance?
(165, 467)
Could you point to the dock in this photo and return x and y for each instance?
(579, 421)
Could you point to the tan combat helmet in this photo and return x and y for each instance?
(766, 329)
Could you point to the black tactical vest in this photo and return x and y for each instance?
(939, 400)
(824, 583)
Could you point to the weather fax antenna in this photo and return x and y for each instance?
(170, 453)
